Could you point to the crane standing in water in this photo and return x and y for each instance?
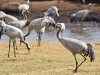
(80, 15)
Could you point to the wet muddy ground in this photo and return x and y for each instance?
(89, 32)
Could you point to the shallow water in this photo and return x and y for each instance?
(90, 32)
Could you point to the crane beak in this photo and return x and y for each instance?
(29, 12)
(57, 15)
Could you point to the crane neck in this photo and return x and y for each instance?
(58, 36)
(1, 29)
(90, 8)
(25, 17)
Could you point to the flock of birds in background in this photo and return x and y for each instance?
(11, 26)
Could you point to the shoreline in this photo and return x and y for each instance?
(38, 8)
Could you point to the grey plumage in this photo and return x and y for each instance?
(2, 15)
(52, 11)
(80, 15)
(23, 8)
(19, 23)
(77, 47)
(38, 24)
(73, 18)
(90, 52)
(6, 17)
(13, 33)
(62, 27)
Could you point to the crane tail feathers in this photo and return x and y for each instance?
(73, 19)
(91, 51)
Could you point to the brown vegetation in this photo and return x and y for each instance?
(65, 9)
(11, 6)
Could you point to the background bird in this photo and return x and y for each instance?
(19, 23)
(52, 11)
(80, 15)
(77, 47)
(6, 17)
(23, 8)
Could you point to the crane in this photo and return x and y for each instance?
(80, 15)
(77, 47)
(39, 25)
(13, 33)
(52, 11)
(23, 8)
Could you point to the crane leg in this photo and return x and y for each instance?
(82, 23)
(82, 61)
(24, 38)
(75, 71)
(20, 42)
(79, 64)
(9, 47)
(14, 48)
(28, 46)
(39, 39)
(15, 44)
(26, 35)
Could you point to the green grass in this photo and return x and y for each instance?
(51, 58)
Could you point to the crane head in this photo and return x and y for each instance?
(91, 4)
(28, 1)
(49, 21)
